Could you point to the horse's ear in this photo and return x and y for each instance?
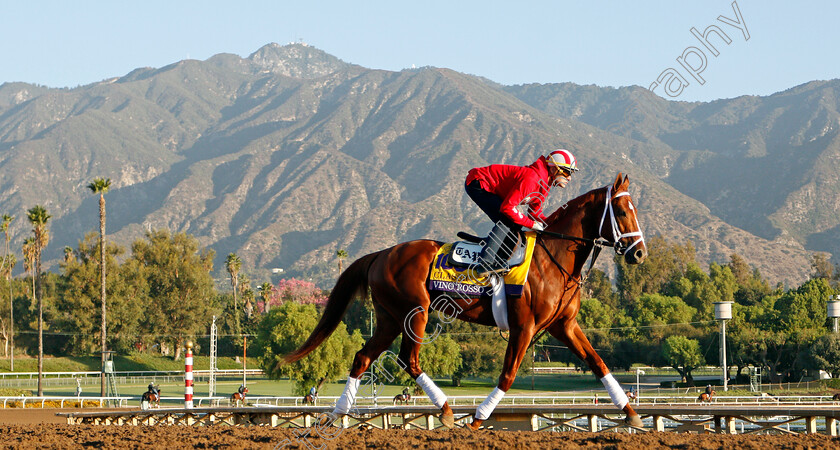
(626, 182)
(617, 183)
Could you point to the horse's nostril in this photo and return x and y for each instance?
(640, 254)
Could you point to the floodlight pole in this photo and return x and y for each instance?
(834, 311)
(638, 392)
(723, 312)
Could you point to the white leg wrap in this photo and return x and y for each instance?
(617, 395)
(348, 397)
(489, 404)
(430, 388)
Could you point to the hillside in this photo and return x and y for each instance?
(289, 154)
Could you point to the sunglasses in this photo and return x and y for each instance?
(564, 172)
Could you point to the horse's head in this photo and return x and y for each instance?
(622, 228)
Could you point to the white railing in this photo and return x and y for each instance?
(102, 401)
(127, 373)
(588, 399)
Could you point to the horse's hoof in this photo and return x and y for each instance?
(634, 421)
(448, 420)
(473, 426)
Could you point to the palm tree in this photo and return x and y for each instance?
(38, 217)
(233, 264)
(101, 186)
(6, 221)
(340, 254)
(68, 254)
(28, 249)
(265, 293)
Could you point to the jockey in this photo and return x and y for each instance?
(513, 196)
(313, 392)
(709, 389)
(241, 390)
(405, 392)
(152, 388)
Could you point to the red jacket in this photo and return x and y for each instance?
(516, 185)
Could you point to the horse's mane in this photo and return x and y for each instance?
(574, 203)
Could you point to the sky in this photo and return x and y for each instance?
(606, 43)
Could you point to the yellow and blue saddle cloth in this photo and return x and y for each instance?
(462, 280)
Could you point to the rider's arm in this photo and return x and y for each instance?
(512, 201)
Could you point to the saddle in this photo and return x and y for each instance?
(453, 269)
(466, 253)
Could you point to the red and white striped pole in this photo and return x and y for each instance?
(188, 376)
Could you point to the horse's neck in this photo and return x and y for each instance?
(580, 218)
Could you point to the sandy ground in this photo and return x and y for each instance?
(37, 428)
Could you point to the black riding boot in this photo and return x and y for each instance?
(498, 246)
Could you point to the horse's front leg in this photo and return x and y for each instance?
(569, 333)
(517, 347)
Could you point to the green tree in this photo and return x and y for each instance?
(724, 282)
(28, 250)
(9, 262)
(438, 358)
(101, 186)
(340, 254)
(751, 286)
(655, 310)
(594, 314)
(233, 264)
(805, 306)
(664, 263)
(265, 294)
(824, 354)
(79, 299)
(821, 266)
(38, 217)
(481, 349)
(697, 289)
(599, 286)
(177, 272)
(683, 354)
(285, 328)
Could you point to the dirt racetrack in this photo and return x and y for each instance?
(17, 430)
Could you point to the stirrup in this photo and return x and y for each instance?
(483, 271)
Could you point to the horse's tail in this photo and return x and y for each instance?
(350, 284)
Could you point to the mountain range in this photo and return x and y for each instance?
(290, 154)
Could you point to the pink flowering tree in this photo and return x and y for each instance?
(298, 291)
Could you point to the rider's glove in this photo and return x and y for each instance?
(536, 227)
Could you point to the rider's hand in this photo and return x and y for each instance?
(536, 227)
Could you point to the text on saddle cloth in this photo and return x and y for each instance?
(446, 277)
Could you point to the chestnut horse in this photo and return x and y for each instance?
(707, 398)
(550, 299)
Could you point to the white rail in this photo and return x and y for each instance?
(102, 401)
(126, 373)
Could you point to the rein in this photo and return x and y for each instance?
(597, 245)
(599, 242)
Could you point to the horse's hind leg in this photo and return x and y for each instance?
(387, 329)
(570, 334)
(415, 324)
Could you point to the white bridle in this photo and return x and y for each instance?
(616, 232)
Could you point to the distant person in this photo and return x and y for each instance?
(241, 390)
(708, 389)
(78, 387)
(501, 190)
(313, 392)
